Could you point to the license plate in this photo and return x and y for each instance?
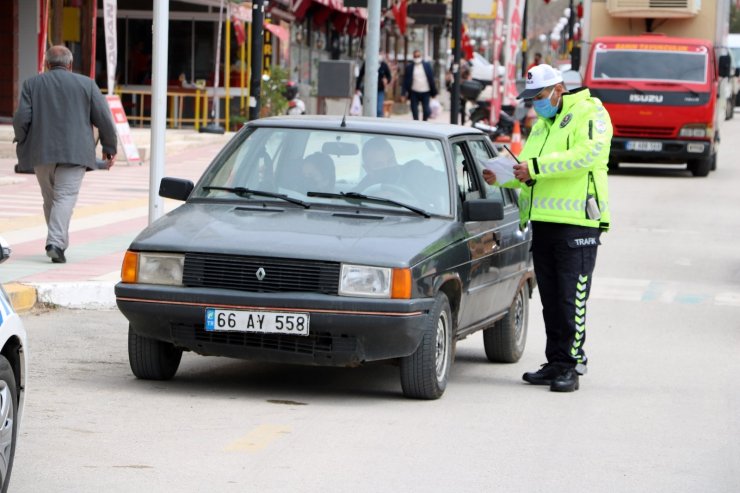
(644, 145)
(259, 321)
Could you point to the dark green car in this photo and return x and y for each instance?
(319, 241)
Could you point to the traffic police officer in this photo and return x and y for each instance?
(562, 177)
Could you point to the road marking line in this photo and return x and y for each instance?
(727, 299)
(258, 438)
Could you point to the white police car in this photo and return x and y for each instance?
(12, 377)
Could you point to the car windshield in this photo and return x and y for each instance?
(669, 66)
(311, 165)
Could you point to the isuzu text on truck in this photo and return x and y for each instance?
(663, 92)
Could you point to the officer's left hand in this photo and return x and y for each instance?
(521, 172)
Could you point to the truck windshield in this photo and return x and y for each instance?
(667, 66)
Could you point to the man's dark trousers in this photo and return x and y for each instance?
(564, 259)
(423, 97)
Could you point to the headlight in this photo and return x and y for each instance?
(696, 131)
(153, 268)
(361, 280)
(375, 282)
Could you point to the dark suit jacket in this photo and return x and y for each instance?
(54, 120)
(408, 78)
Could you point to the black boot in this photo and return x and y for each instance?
(567, 381)
(543, 376)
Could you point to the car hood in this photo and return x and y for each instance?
(362, 236)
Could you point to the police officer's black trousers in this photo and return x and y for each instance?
(564, 259)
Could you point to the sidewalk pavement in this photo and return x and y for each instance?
(111, 210)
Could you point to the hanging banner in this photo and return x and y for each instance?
(42, 28)
(94, 29)
(511, 50)
(123, 130)
(498, 32)
(111, 41)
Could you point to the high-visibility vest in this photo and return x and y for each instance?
(568, 158)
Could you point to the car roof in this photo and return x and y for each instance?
(408, 128)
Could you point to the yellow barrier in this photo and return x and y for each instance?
(140, 101)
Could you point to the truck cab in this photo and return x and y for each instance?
(662, 94)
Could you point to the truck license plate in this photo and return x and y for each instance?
(644, 145)
(256, 321)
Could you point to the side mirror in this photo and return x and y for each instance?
(175, 188)
(483, 210)
(725, 66)
(4, 250)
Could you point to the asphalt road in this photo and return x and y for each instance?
(657, 412)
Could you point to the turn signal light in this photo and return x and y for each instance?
(401, 284)
(130, 267)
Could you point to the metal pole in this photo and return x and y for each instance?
(372, 49)
(456, 55)
(525, 44)
(571, 23)
(159, 107)
(255, 70)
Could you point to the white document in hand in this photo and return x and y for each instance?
(502, 167)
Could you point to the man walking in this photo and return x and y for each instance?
(384, 78)
(53, 128)
(418, 83)
(563, 181)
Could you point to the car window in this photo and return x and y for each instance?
(483, 152)
(294, 162)
(465, 182)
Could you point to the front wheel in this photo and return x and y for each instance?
(8, 421)
(151, 359)
(424, 374)
(504, 341)
(702, 167)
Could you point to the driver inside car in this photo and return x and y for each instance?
(379, 163)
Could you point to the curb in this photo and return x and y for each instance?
(88, 295)
(22, 297)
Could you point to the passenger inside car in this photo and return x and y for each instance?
(379, 162)
(319, 174)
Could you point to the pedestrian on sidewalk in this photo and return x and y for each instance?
(53, 129)
(563, 182)
(384, 79)
(418, 83)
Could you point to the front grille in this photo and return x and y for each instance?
(636, 131)
(311, 344)
(241, 273)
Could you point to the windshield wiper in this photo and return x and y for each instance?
(669, 84)
(246, 192)
(368, 198)
(626, 83)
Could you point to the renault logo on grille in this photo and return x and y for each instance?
(260, 274)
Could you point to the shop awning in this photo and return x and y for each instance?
(300, 9)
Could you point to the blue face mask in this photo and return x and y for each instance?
(545, 108)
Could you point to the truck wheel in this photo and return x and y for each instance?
(504, 341)
(151, 359)
(701, 167)
(8, 421)
(424, 374)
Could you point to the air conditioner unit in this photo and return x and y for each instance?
(655, 9)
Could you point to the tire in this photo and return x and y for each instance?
(151, 359)
(8, 421)
(424, 374)
(730, 109)
(701, 167)
(504, 341)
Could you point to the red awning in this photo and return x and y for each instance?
(301, 7)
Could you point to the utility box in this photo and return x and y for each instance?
(336, 79)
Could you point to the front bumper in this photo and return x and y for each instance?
(343, 331)
(672, 151)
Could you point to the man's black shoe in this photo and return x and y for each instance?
(56, 254)
(567, 381)
(543, 376)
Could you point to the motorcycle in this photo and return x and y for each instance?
(295, 105)
(471, 91)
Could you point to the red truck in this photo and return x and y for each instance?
(665, 93)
